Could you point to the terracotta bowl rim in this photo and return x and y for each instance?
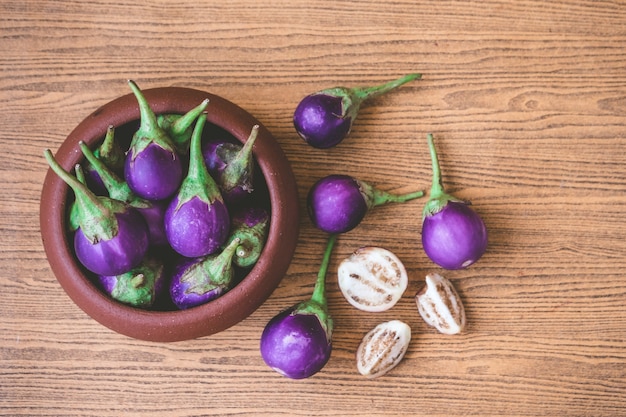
(212, 317)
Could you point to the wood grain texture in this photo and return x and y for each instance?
(527, 102)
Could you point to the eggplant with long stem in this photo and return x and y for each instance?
(200, 280)
(297, 342)
(153, 168)
(232, 165)
(152, 211)
(197, 221)
(323, 119)
(453, 235)
(111, 237)
(338, 203)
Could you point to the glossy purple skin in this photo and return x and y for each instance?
(154, 174)
(120, 254)
(196, 228)
(295, 345)
(179, 289)
(335, 204)
(454, 237)
(318, 120)
(155, 218)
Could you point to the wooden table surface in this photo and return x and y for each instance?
(527, 102)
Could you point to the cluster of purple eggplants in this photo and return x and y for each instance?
(174, 217)
(297, 343)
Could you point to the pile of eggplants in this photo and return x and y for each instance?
(297, 342)
(173, 221)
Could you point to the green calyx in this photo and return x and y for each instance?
(94, 215)
(180, 127)
(375, 197)
(215, 271)
(138, 286)
(252, 239)
(240, 168)
(149, 130)
(353, 98)
(198, 182)
(438, 197)
(318, 304)
(117, 188)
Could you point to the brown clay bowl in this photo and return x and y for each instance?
(214, 316)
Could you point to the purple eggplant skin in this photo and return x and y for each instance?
(453, 235)
(233, 166)
(111, 236)
(324, 119)
(155, 218)
(140, 287)
(338, 203)
(295, 345)
(153, 168)
(199, 280)
(297, 342)
(197, 221)
(119, 254)
(111, 155)
(152, 211)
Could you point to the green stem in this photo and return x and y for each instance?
(148, 118)
(96, 220)
(377, 90)
(181, 125)
(436, 189)
(319, 292)
(197, 167)
(383, 197)
(239, 170)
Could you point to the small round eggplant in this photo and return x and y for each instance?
(297, 342)
(323, 119)
(250, 225)
(232, 165)
(111, 237)
(152, 211)
(200, 280)
(197, 221)
(153, 169)
(338, 203)
(180, 127)
(453, 235)
(139, 287)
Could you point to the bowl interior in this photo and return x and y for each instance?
(167, 324)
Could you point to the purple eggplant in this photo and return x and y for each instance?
(453, 235)
(197, 221)
(250, 225)
(111, 155)
(297, 342)
(152, 211)
(232, 165)
(338, 203)
(200, 280)
(112, 237)
(323, 119)
(153, 168)
(180, 127)
(139, 287)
